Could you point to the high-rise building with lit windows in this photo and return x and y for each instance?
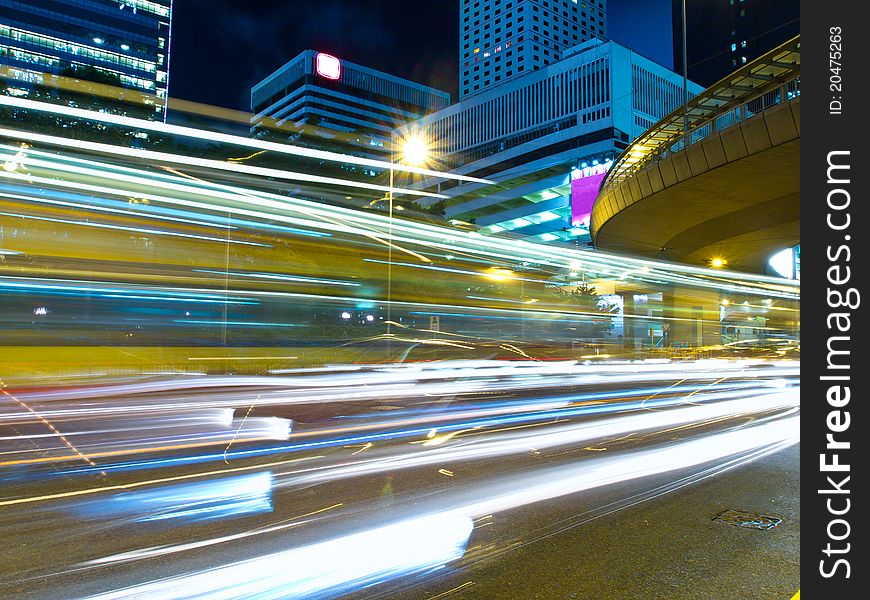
(500, 40)
(125, 41)
(546, 140)
(724, 35)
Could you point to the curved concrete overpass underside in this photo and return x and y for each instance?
(742, 211)
(734, 195)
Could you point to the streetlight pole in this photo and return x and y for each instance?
(415, 152)
(390, 262)
(685, 79)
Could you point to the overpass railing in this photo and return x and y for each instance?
(766, 81)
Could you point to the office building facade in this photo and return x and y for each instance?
(126, 41)
(723, 35)
(546, 139)
(352, 108)
(501, 40)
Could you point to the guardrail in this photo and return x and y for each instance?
(766, 81)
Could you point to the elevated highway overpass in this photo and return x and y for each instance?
(727, 186)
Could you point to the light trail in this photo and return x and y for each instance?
(136, 153)
(200, 134)
(394, 385)
(69, 286)
(127, 213)
(192, 502)
(48, 424)
(163, 551)
(519, 442)
(133, 229)
(241, 425)
(280, 277)
(336, 565)
(146, 482)
(268, 576)
(552, 483)
(453, 240)
(236, 194)
(209, 220)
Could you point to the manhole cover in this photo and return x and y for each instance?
(747, 519)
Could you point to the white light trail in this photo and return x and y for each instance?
(201, 134)
(106, 209)
(342, 564)
(519, 442)
(136, 153)
(551, 483)
(335, 565)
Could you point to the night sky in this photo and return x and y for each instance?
(220, 48)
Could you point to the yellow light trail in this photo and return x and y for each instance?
(361, 231)
(48, 424)
(242, 424)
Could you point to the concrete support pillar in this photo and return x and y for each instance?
(669, 318)
(635, 323)
(690, 316)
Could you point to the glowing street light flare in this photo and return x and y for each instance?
(415, 150)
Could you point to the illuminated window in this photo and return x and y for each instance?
(59, 45)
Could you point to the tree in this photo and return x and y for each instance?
(584, 297)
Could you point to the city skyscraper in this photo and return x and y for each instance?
(354, 108)
(546, 139)
(123, 41)
(723, 35)
(500, 40)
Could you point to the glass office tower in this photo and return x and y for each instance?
(122, 42)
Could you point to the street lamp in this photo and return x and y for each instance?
(685, 80)
(415, 152)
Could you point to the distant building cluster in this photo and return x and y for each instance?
(546, 103)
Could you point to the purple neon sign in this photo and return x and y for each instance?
(584, 189)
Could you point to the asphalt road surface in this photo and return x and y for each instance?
(484, 480)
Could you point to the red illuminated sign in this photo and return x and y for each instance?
(327, 66)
